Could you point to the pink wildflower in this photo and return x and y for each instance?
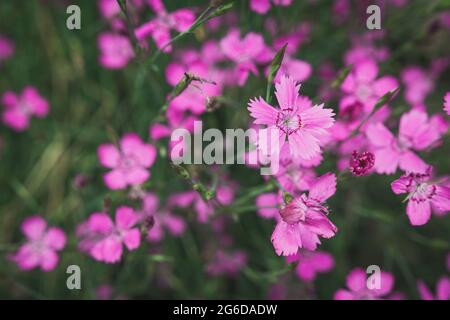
(19, 108)
(447, 103)
(103, 239)
(115, 50)
(416, 132)
(358, 287)
(305, 127)
(263, 6)
(7, 48)
(310, 263)
(424, 195)
(129, 161)
(227, 263)
(304, 219)
(41, 247)
(442, 290)
(361, 163)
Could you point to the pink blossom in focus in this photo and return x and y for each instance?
(20, 108)
(103, 239)
(115, 50)
(42, 245)
(361, 163)
(159, 27)
(7, 48)
(304, 219)
(424, 195)
(304, 127)
(310, 263)
(129, 161)
(442, 290)
(357, 288)
(416, 132)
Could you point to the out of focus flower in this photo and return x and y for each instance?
(304, 127)
(361, 163)
(7, 48)
(227, 263)
(244, 52)
(416, 132)
(358, 289)
(20, 108)
(418, 84)
(263, 6)
(163, 219)
(159, 27)
(442, 290)
(447, 103)
(129, 161)
(43, 243)
(294, 178)
(304, 219)
(103, 239)
(115, 50)
(310, 263)
(424, 195)
(268, 205)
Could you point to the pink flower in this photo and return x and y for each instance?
(7, 48)
(129, 161)
(362, 84)
(424, 195)
(115, 50)
(361, 163)
(310, 263)
(447, 103)
(41, 247)
(418, 83)
(358, 287)
(268, 205)
(102, 239)
(442, 290)
(244, 52)
(304, 219)
(295, 178)
(159, 27)
(163, 219)
(305, 127)
(263, 6)
(416, 132)
(19, 108)
(227, 263)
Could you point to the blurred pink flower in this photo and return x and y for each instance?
(304, 219)
(447, 103)
(268, 205)
(310, 263)
(7, 48)
(263, 6)
(42, 245)
(227, 263)
(358, 290)
(115, 50)
(102, 238)
(418, 84)
(416, 132)
(305, 127)
(424, 195)
(159, 27)
(163, 219)
(19, 108)
(442, 290)
(129, 161)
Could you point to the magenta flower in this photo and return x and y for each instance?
(295, 178)
(418, 84)
(263, 6)
(244, 52)
(115, 50)
(20, 108)
(447, 103)
(358, 289)
(442, 290)
(416, 132)
(304, 219)
(159, 27)
(310, 263)
(227, 263)
(7, 48)
(129, 161)
(41, 247)
(424, 195)
(361, 163)
(103, 239)
(268, 205)
(304, 127)
(162, 219)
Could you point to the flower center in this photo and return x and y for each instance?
(423, 192)
(288, 122)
